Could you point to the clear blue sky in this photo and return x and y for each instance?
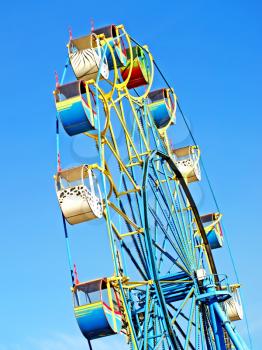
(211, 53)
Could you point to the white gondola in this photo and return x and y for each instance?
(86, 57)
(187, 162)
(79, 194)
(233, 306)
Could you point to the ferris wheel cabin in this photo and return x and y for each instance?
(79, 194)
(112, 33)
(86, 58)
(74, 106)
(233, 306)
(162, 106)
(187, 162)
(140, 74)
(97, 308)
(213, 229)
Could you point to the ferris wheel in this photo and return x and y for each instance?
(164, 291)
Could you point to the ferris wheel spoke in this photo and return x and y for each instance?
(188, 222)
(177, 229)
(176, 248)
(160, 258)
(133, 260)
(162, 201)
(186, 335)
(190, 323)
(180, 308)
(172, 259)
(163, 332)
(182, 334)
(175, 242)
(200, 261)
(194, 253)
(159, 344)
(181, 208)
(151, 328)
(181, 313)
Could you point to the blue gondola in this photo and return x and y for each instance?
(74, 105)
(162, 106)
(111, 32)
(97, 308)
(213, 229)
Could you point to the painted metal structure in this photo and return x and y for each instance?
(165, 283)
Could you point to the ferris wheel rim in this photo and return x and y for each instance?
(183, 184)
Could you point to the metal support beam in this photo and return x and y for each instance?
(234, 336)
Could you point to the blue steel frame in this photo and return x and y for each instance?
(157, 239)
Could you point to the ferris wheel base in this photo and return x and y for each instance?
(230, 329)
(220, 322)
